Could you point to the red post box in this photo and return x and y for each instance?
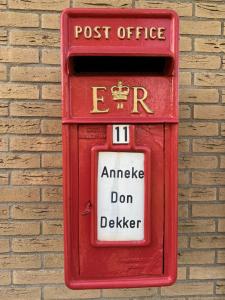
(120, 94)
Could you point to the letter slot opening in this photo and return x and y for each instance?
(120, 65)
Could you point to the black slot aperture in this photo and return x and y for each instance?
(120, 65)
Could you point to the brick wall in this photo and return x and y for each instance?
(31, 248)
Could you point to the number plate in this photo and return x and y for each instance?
(121, 134)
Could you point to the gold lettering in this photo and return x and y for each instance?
(97, 99)
(103, 32)
(98, 34)
(152, 34)
(140, 100)
(138, 32)
(161, 31)
(146, 33)
(87, 32)
(77, 31)
(121, 33)
(106, 31)
(129, 32)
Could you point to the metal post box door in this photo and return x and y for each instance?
(119, 73)
(114, 254)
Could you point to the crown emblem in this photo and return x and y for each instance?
(120, 92)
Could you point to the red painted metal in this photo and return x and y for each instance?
(131, 147)
(90, 263)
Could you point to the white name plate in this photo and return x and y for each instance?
(120, 196)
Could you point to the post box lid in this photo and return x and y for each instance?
(96, 39)
(123, 31)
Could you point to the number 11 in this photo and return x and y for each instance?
(121, 134)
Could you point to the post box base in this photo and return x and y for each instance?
(122, 283)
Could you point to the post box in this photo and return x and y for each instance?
(120, 94)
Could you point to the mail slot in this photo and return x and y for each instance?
(120, 95)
